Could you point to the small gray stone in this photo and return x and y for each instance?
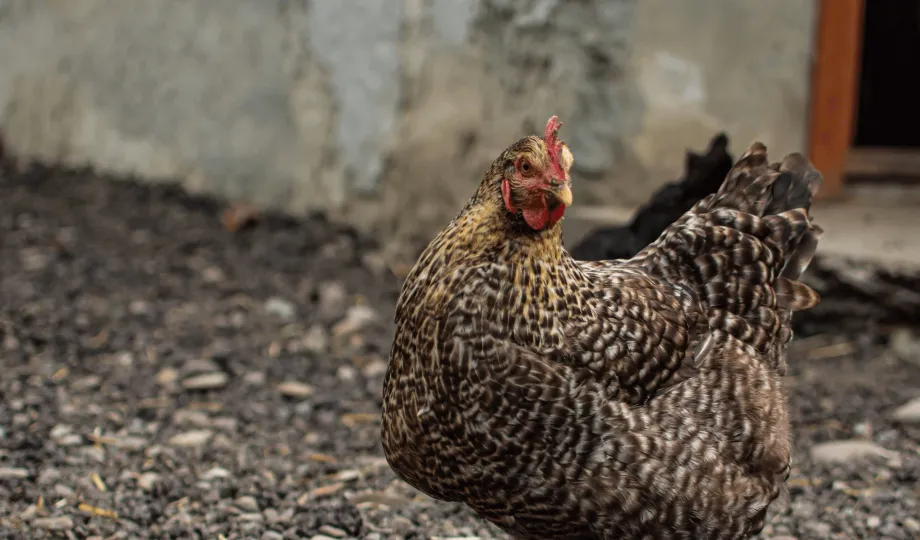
(216, 473)
(346, 373)
(909, 413)
(60, 430)
(225, 423)
(206, 381)
(295, 389)
(905, 344)
(70, 440)
(254, 378)
(222, 442)
(13, 473)
(335, 532)
(272, 535)
(199, 365)
(33, 258)
(129, 443)
(375, 262)
(125, 359)
(356, 318)
(93, 453)
(374, 368)
(250, 528)
(48, 476)
(271, 515)
(247, 503)
(30, 512)
(281, 308)
(804, 508)
(59, 523)
(139, 307)
(147, 480)
(283, 517)
(818, 528)
(167, 376)
(848, 450)
(85, 383)
(332, 300)
(863, 429)
(213, 274)
(187, 417)
(315, 340)
(912, 525)
(195, 437)
(401, 525)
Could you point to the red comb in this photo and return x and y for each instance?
(553, 144)
(551, 135)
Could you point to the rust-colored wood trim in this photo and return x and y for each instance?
(834, 89)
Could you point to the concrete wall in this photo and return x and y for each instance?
(704, 66)
(387, 111)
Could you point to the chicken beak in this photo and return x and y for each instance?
(562, 192)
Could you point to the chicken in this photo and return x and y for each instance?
(638, 398)
(703, 174)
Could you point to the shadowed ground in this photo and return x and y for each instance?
(163, 377)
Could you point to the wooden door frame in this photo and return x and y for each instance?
(835, 89)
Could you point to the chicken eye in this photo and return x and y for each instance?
(526, 168)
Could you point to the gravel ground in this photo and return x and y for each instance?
(163, 377)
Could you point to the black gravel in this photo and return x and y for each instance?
(163, 377)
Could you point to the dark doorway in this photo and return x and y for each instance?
(889, 85)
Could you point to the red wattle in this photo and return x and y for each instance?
(556, 214)
(537, 217)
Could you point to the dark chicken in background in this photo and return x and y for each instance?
(637, 398)
(703, 174)
(852, 299)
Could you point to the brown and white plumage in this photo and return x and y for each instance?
(638, 398)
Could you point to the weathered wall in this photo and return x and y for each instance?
(387, 111)
(705, 66)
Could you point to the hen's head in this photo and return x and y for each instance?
(533, 178)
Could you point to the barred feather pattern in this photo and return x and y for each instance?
(639, 398)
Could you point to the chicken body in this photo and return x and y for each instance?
(604, 400)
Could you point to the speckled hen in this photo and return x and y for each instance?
(638, 398)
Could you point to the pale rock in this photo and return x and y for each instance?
(356, 319)
(206, 381)
(13, 473)
(146, 481)
(848, 450)
(295, 389)
(247, 503)
(909, 413)
(216, 473)
(195, 437)
(280, 308)
(59, 523)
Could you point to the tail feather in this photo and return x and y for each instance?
(795, 295)
(802, 255)
(779, 193)
(801, 182)
(743, 248)
(758, 187)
